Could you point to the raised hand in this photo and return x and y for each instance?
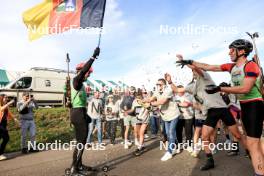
(224, 84)
(96, 52)
(182, 63)
(211, 89)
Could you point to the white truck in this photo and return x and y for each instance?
(45, 84)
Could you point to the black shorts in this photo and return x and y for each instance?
(252, 118)
(198, 123)
(215, 114)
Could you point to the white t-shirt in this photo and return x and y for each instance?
(95, 108)
(120, 114)
(187, 112)
(198, 114)
(141, 113)
(170, 110)
(111, 109)
(208, 100)
(137, 107)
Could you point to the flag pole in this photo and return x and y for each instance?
(100, 36)
(101, 28)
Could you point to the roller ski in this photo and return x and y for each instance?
(70, 172)
(85, 170)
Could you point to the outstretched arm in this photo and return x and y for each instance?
(203, 66)
(207, 67)
(2, 108)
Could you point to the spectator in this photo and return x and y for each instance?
(95, 111)
(111, 118)
(5, 115)
(25, 108)
(129, 115)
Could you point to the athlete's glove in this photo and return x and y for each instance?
(224, 84)
(211, 89)
(96, 52)
(182, 63)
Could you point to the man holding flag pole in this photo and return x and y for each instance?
(56, 16)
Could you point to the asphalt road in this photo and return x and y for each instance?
(123, 163)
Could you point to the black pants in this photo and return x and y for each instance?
(5, 136)
(187, 124)
(80, 120)
(121, 123)
(111, 130)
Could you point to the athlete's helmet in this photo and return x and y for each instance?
(80, 66)
(242, 44)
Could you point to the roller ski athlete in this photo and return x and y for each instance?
(79, 117)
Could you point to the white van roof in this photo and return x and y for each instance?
(50, 69)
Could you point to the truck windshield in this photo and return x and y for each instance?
(22, 83)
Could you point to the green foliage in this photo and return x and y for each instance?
(51, 123)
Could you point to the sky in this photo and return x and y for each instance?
(141, 38)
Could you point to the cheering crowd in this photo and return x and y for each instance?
(187, 117)
(200, 108)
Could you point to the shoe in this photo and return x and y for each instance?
(126, 146)
(176, 151)
(214, 151)
(153, 136)
(33, 150)
(89, 145)
(197, 147)
(84, 168)
(190, 149)
(2, 157)
(76, 172)
(112, 143)
(232, 153)
(102, 144)
(143, 149)
(166, 157)
(208, 165)
(194, 154)
(146, 136)
(137, 152)
(24, 151)
(128, 143)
